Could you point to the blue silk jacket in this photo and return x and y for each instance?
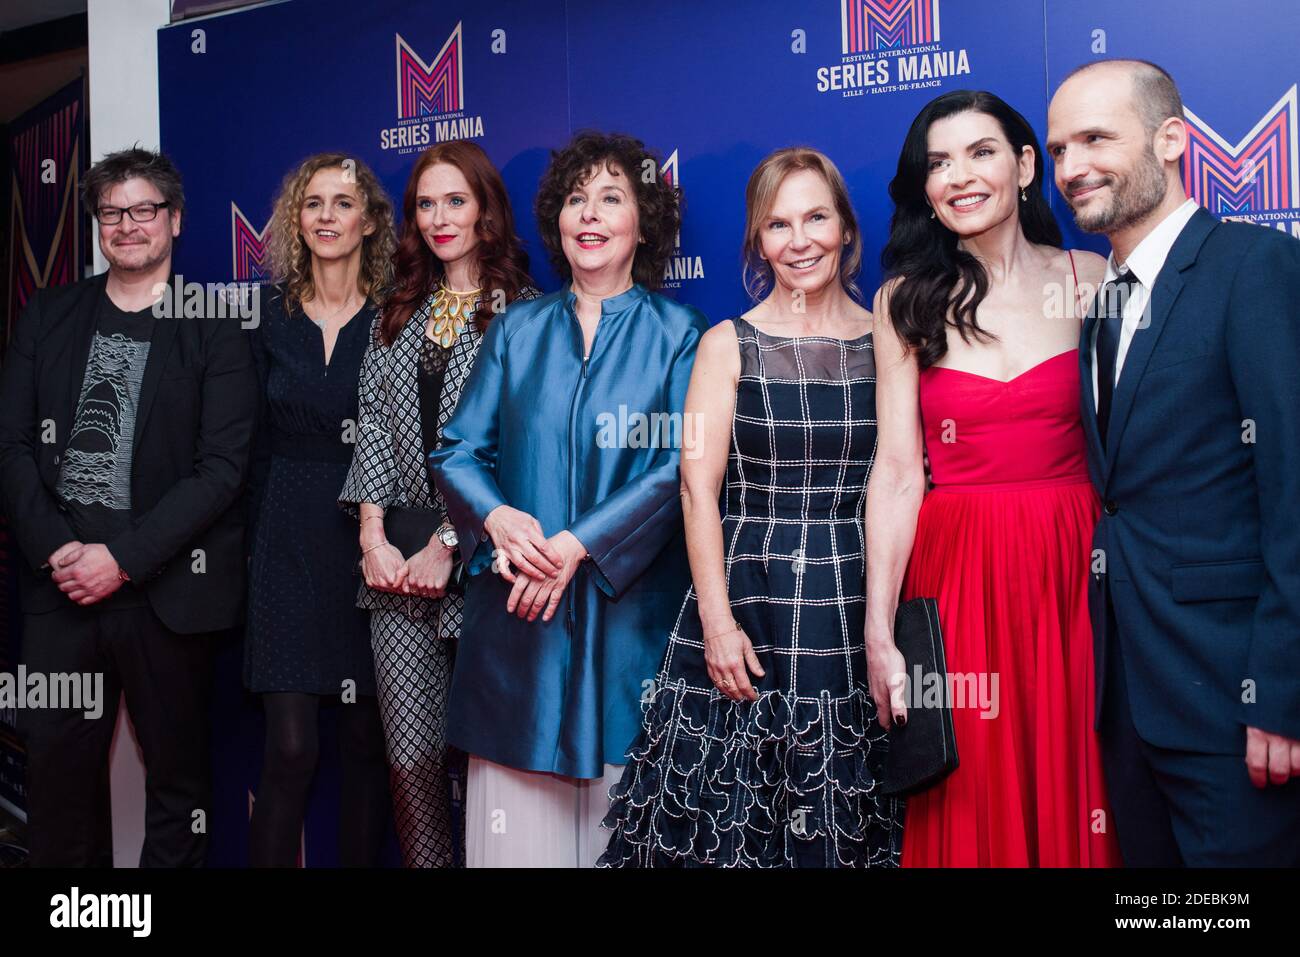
(593, 447)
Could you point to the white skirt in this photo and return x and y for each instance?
(534, 818)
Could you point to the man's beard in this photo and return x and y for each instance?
(148, 261)
(1134, 199)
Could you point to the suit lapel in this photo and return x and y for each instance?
(84, 319)
(1161, 301)
(1164, 295)
(160, 346)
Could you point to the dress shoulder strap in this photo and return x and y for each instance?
(747, 340)
(1079, 307)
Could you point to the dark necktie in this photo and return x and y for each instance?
(1112, 298)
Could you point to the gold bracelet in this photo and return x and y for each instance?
(366, 551)
(735, 626)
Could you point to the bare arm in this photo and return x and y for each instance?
(894, 494)
(710, 404)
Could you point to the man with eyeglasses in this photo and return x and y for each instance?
(124, 446)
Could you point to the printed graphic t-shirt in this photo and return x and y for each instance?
(95, 475)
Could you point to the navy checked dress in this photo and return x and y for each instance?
(791, 779)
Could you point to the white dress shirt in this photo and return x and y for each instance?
(1145, 263)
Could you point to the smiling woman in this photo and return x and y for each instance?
(306, 643)
(932, 193)
(583, 535)
(458, 264)
(762, 692)
(1001, 540)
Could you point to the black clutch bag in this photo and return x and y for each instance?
(923, 751)
(409, 530)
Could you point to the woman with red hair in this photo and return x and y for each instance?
(458, 263)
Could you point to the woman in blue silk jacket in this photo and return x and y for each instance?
(560, 472)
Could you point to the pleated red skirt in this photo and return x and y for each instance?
(1009, 566)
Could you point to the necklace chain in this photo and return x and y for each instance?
(324, 323)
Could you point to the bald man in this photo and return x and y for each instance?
(1191, 399)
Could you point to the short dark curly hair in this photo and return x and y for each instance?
(658, 202)
(131, 163)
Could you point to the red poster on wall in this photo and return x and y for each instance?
(47, 151)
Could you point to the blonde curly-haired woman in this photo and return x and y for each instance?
(306, 642)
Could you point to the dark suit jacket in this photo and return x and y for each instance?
(193, 428)
(1200, 493)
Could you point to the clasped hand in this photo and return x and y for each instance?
(85, 573)
(425, 574)
(538, 568)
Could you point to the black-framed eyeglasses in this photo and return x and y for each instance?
(140, 212)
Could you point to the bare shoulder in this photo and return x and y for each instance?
(719, 335)
(884, 333)
(719, 348)
(885, 293)
(1090, 266)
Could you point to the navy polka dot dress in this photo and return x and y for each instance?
(304, 631)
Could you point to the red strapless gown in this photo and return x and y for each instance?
(1003, 542)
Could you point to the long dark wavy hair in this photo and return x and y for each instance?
(659, 203)
(939, 284)
(503, 264)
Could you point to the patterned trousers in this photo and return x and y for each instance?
(413, 672)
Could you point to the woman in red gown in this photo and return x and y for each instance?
(977, 330)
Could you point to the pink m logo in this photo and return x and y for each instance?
(430, 89)
(249, 259)
(1261, 172)
(887, 24)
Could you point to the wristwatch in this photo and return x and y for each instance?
(447, 535)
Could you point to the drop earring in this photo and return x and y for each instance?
(1023, 197)
(932, 212)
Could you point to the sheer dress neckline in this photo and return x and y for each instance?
(769, 335)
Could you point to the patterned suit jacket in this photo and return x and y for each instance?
(388, 465)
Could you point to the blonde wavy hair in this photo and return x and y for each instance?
(290, 257)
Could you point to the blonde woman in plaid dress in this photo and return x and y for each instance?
(760, 746)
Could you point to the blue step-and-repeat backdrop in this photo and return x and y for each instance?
(712, 87)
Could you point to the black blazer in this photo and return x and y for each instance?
(1200, 484)
(193, 429)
